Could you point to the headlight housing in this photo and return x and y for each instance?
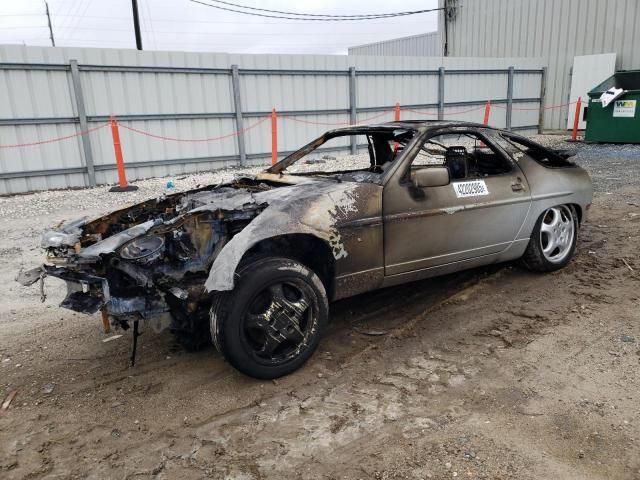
(55, 239)
(143, 250)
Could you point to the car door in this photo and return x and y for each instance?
(474, 215)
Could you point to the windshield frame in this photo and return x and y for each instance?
(282, 165)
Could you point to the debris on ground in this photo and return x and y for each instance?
(47, 388)
(111, 338)
(8, 399)
(372, 333)
(627, 264)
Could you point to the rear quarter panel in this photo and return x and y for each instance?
(554, 186)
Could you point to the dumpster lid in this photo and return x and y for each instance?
(626, 79)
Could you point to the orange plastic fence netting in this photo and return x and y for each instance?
(493, 105)
(285, 117)
(535, 109)
(57, 139)
(311, 122)
(459, 112)
(194, 140)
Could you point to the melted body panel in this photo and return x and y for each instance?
(366, 229)
(331, 212)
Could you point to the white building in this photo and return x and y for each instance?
(555, 31)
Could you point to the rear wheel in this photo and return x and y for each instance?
(271, 323)
(553, 240)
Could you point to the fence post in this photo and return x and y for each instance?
(509, 97)
(487, 112)
(396, 117)
(441, 93)
(353, 111)
(237, 104)
(576, 119)
(84, 126)
(543, 92)
(274, 137)
(123, 185)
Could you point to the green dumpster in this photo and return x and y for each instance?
(618, 122)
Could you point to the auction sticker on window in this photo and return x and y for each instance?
(474, 188)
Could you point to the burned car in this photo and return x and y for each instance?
(252, 264)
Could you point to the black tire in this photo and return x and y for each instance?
(535, 257)
(272, 321)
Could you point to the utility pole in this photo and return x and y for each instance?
(136, 24)
(53, 41)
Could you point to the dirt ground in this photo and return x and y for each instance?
(494, 373)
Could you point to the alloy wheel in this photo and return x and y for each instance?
(279, 321)
(557, 232)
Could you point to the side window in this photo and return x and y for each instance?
(517, 146)
(464, 154)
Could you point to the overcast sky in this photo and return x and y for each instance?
(183, 25)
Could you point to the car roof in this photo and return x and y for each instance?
(421, 125)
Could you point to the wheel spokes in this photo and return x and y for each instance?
(298, 306)
(292, 334)
(279, 328)
(556, 233)
(257, 320)
(270, 344)
(556, 217)
(547, 228)
(289, 319)
(551, 245)
(277, 292)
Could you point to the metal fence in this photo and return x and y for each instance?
(179, 118)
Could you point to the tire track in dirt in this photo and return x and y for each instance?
(405, 404)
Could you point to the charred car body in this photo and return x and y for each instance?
(252, 264)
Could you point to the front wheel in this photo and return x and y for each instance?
(553, 240)
(271, 322)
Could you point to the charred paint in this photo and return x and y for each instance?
(166, 259)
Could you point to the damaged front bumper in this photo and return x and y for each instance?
(88, 294)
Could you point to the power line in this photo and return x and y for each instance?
(393, 14)
(73, 20)
(318, 19)
(194, 42)
(195, 32)
(177, 20)
(20, 14)
(73, 26)
(70, 14)
(149, 21)
(24, 26)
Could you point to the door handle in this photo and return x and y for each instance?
(517, 187)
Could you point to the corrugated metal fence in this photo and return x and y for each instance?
(179, 111)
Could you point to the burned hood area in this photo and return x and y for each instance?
(160, 260)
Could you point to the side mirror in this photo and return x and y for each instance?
(430, 177)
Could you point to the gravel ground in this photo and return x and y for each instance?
(494, 373)
(102, 200)
(612, 167)
(99, 199)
